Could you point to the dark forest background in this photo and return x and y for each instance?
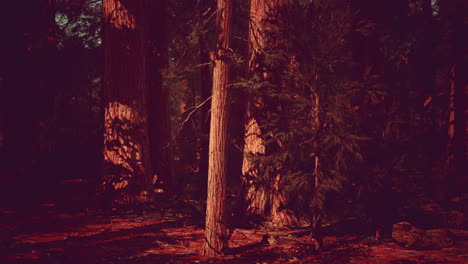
(390, 129)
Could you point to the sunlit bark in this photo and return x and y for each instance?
(261, 199)
(454, 179)
(215, 229)
(127, 175)
(451, 126)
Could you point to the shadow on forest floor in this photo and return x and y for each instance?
(49, 234)
(80, 238)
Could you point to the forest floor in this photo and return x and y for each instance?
(46, 235)
(52, 231)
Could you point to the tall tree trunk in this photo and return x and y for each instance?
(156, 32)
(449, 159)
(317, 198)
(456, 132)
(453, 178)
(215, 230)
(263, 200)
(127, 175)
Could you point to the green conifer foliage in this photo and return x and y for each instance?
(311, 60)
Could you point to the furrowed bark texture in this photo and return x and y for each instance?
(260, 199)
(127, 175)
(215, 230)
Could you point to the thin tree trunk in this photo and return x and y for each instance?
(449, 160)
(453, 178)
(316, 232)
(215, 230)
(455, 153)
(127, 175)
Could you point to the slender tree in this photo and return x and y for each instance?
(309, 118)
(215, 229)
(127, 169)
(455, 156)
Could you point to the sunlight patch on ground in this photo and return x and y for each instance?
(114, 239)
(135, 238)
(26, 256)
(42, 238)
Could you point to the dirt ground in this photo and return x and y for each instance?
(49, 236)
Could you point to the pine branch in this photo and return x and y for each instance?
(179, 128)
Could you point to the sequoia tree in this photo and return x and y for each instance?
(262, 197)
(127, 170)
(215, 229)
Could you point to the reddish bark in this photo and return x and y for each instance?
(127, 175)
(264, 200)
(215, 230)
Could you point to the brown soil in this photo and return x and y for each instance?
(48, 236)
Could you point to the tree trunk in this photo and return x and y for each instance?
(449, 159)
(156, 32)
(256, 195)
(215, 230)
(453, 180)
(263, 200)
(127, 175)
(316, 233)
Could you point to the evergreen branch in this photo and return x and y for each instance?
(179, 128)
